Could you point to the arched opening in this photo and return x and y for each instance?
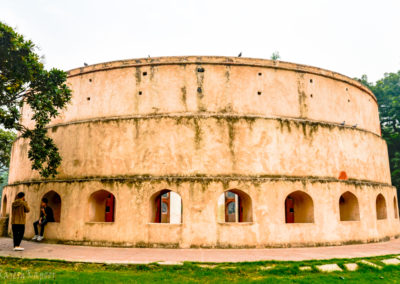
(348, 207)
(4, 206)
(101, 206)
(299, 208)
(166, 207)
(396, 211)
(54, 203)
(381, 207)
(234, 205)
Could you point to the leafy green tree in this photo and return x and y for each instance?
(387, 91)
(6, 140)
(275, 56)
(24, 81)
(3, 181)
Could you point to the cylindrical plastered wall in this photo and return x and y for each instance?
(213, 152)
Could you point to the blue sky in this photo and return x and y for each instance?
(350, 37)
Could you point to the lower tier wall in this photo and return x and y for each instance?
(200, 226)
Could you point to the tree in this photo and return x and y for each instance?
(3, 182)
(275, 56)
(387, 92)
(6, 140)
(24, 81)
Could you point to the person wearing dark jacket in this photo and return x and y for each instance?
(18, 219)
(46, 215)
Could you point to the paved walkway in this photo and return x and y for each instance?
(147, 255)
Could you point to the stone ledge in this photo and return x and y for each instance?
(99, 223)
(329, 267)
(218, 115)
(165, 224)
(235, 223)
(207, 179)
(142, 244)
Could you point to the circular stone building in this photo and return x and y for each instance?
(213, 152)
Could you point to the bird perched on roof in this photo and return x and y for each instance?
(85, 64)
(343, 123)
(355, 125)
(240, 54)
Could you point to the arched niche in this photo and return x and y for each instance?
(4, 206)
(395, 208)
(234, 205)
(381, 212)
(299, 208)
(101, 207)
(348, 207)
(54, 203)
(166, 207)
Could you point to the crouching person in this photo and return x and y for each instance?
(46, 215)
(18, 218)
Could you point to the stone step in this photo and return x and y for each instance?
(269, 267)
(170, 263)
(391, 261)
(366, 262)
(351, 266)
(329, 267)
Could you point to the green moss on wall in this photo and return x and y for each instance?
(284, 123)
(302, 95)
(227, 109)
(200, 89)
(231, 121)
(197, 133)
(138, 75)
(152, 72)
(227, 73)
(310, 127)
(183, 97)
(137, 128)
(207, 179)
(225, 184)
(194, 122)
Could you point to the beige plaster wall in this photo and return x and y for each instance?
(210, 146)
(200, 226)
(229, 85)
(203, 125)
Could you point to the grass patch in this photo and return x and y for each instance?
(17, 270)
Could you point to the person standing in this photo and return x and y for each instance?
(46, 215)
(18, 218)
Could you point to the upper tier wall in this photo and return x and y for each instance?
(209, 146)
(217, 84)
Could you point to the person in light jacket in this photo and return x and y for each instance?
(18, 218)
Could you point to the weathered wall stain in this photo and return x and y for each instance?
(197, 126)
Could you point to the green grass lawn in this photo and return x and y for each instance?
(16, 270)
